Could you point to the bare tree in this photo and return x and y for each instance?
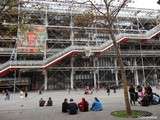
(9, 16)
(6, 5)
(110, 16)
(8, 13)
(8, 8)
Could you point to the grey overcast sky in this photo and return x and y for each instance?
(151, 4)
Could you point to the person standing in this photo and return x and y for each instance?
(108, 90)
(21, 94)
(7, 94)
(114, 89)
(40, 92)
(132, 94)
(26, 94)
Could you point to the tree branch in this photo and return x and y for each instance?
(4, 5)
(96, 8)
(115, 12)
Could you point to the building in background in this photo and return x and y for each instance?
(61, 44)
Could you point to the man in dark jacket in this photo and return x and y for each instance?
(65, 106)
(132, 94)
(72, 107)
(49, 102)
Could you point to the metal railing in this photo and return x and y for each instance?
(68, 50)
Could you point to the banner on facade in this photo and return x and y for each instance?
(31, 39)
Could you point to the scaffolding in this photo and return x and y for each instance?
(76, 51)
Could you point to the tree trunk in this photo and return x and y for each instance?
(122, 71)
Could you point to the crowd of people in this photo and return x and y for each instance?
(89, 90)
(143, 95)
(72, 107)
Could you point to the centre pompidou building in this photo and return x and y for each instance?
(65, 44)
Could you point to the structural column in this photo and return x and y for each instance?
(72, 74)
(45, 79)
(72, 58)
(15, 74)
(46, 25)
(142, 60)
(98, 81)
(15, 78)
(71, 26)
(95, 80)
(95, 72)
(155, 77)
(116, 72)
(136, 73)
(45, 53)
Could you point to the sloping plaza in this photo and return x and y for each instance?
(28, 108)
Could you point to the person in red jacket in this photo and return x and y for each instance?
(83, 105)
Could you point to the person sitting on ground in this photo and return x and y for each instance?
(145, 100)
(139, 88)
(140, 93)
(96, 105)
(49, 102)
(148, 91)
(65, 106)
(72, 107)
(41, 102)
(156, 99)
(88, 91)
(83, 105)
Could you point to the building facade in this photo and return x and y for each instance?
(64, 44)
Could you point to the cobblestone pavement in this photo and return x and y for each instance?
(27, 108)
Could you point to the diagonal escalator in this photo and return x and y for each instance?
(76, 49)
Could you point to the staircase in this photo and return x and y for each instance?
(75, 49)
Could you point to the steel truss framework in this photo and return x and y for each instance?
(68, 24)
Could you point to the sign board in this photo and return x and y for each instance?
(32, 39)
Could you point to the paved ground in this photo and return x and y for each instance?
(27, 108)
